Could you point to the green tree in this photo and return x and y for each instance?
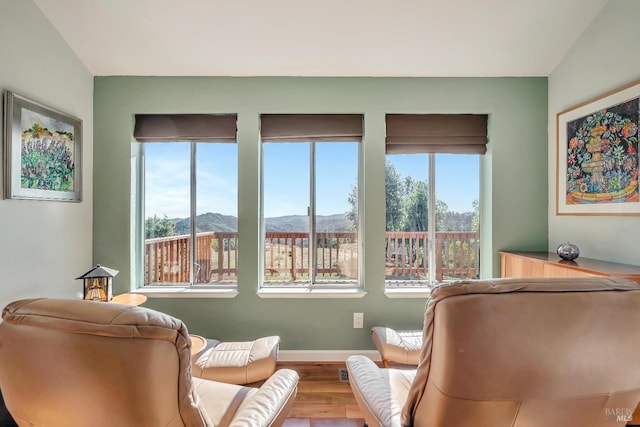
(394, 194)
(353, 212)
(475, 221)
(158, 227)
(416, 207)
(441, 215)
(406, 203)
(394, 190)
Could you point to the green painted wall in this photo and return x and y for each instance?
(513, 193)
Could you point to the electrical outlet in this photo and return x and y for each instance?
(358, 320)
(343, 375)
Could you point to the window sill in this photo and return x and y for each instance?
(310, 293)
(407, 292)
(185, 292)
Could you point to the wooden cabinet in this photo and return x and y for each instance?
(547, 264)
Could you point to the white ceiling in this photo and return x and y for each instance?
(321, 37)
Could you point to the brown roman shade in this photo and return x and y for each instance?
(185, 127)
(436, 133)
(310, 127)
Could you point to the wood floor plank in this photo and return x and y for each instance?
(322, 422)
(324, 386)
(353, 411)
(336, 423)
(322, 400)
(326, 398)
(297, 422)
(318, 410)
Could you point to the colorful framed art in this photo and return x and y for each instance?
(597, 155)
(42, 152)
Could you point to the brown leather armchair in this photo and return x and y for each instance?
(515, 353)
(82, 363)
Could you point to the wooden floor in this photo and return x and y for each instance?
(322, 422)
(322, 400)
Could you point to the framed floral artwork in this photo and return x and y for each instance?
(42, 152)
(597, 155)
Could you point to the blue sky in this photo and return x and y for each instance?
(167, 179)
(457, 176)
(286, 178)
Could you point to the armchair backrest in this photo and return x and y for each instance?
(534, 352)
(108, 364)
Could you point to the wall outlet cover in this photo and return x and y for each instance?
(358, 320)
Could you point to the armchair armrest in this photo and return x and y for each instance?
(270, 405)
(373, 392)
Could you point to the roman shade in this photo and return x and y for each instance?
(310, 127)
(436, 133)
(185, 127)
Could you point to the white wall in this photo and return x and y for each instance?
(604, 58)
(44, 245)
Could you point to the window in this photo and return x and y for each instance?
(189, 204)
(432, 198)
(309, 200)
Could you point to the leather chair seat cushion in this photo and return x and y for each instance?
(238, 362)
(222, 400)
(379, 393)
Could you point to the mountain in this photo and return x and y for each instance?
(453, 221)
(207, 222)
(336, 222)
(218, 222)
(458, 221)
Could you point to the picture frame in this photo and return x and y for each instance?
(42, 151)
(597, 155)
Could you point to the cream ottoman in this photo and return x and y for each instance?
(234, 362)
(397, 346)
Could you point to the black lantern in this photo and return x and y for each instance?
(98, 283)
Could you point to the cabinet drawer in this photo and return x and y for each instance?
(551, 270)
(521, 267)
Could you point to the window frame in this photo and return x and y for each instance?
(418, 288)
(312, 288)
(168, 289)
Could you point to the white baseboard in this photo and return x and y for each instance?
(324, 355)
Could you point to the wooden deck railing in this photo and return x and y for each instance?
(286, 257)
(457, 255)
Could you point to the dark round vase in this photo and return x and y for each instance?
(568, 251)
